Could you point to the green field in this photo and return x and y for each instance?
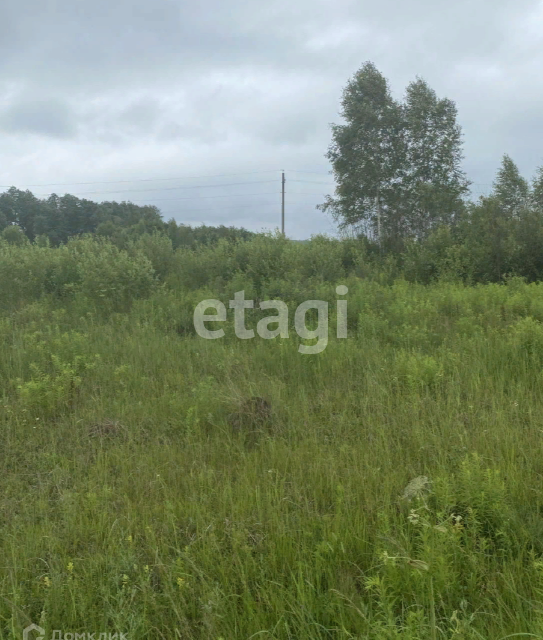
(129, 505)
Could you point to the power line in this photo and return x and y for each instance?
(207, 186)
(228, 195)
(303, 193)
(321, 173)
(484, 184)
(69, 184)
(216, 211)
(178, 199)
(200, 212)
(200, 186)
(246, 206)
(312, 182)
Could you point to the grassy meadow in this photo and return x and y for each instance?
(396, 491)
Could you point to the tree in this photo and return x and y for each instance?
(7, 214)
(397, 164)
(128, 214)
(511, 189)
(537, 188)
(65, 217)
(490, 238)
(22, 208)
(51, 223)
(13, 234)
(529, 237)
(3, 221)
(435, 182)
(367, 154)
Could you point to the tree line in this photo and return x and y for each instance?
(53, 221)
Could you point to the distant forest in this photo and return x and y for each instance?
(58, 218)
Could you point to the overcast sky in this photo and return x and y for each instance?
(175, 95)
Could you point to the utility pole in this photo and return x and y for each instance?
(283, 203)
(378, 204)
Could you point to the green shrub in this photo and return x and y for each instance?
(109, 277)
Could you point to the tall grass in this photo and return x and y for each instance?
(128, 505)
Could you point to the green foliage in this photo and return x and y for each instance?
(14, 235)
(490, 240)
(397, 164)
(54, 376)
(190, 237)
(24, 272)
(21, 208)
(158, 249)
(48, 393)
(510, 188)
(59, 218)
(109, 277)
(368, 153)
(396, 497)
(64, 217)
(527, 334)
(435, 182)
(92, 268)
(537, 189)
(417, 371)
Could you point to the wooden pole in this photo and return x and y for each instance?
(283, 203)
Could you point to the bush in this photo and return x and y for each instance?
(110, 277)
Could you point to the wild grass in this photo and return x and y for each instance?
(128, 504)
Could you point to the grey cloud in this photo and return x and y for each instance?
(50, 118)
(133, 88)
(88, 43)
(190, 132)
(290, 128)
(141, 115)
